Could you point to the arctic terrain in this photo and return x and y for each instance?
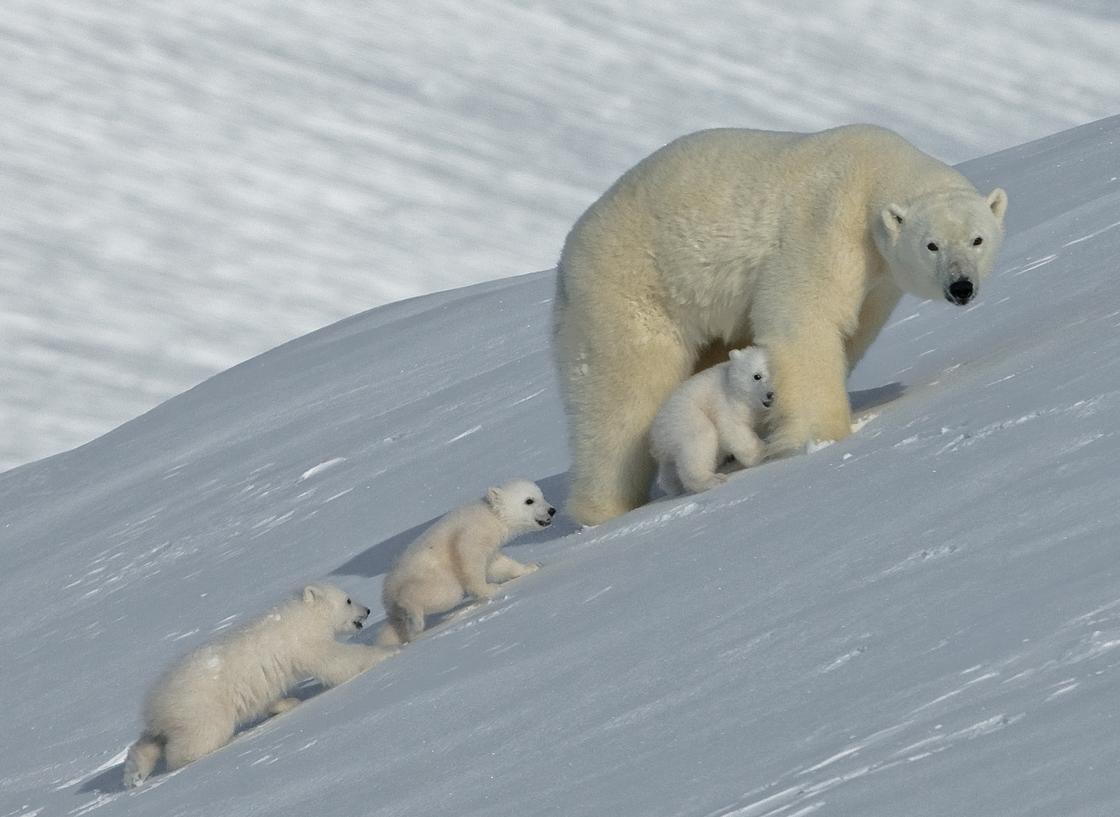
(185, 185)
(923, 619)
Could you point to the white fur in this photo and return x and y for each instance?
(198, 703)
(460, 555)
(801, 243)
(713, 414)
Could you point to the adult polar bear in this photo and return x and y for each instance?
(801, 243)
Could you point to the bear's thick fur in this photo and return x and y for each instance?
(198, 703)
(460, 555)
(713, 414)
(802, 243)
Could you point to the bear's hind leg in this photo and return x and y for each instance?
(188, 745)
(406, 620)
(613, 389)
(142, 758)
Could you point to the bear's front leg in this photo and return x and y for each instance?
(809, 373)
(743, 444)
(341, 662)
(503, 568)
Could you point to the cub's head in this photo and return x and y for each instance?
(336, 607)
(521, 505)
(942, 245)
(748, 377)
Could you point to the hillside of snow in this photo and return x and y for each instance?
(185, 185)
(923, 619)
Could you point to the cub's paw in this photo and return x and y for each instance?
(283, 705)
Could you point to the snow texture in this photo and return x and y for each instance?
(184, 185)
(920, 620)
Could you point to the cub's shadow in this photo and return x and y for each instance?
(866, 399)
(378, 559)
(107, 782)
(374, 561)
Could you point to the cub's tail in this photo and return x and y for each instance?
(142, 758)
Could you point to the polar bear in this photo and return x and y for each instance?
(713, 414)
(460, 554)
(197, 705)
(801, 243)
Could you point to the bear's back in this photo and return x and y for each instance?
(723, 161)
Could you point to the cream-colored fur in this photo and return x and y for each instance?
(197, 705)
(460, 555)
(802, 243)
(713, 414)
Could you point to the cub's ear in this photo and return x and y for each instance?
(735, 354)
(892, 216)
(311, 594)
(997, 200)
(492, 496)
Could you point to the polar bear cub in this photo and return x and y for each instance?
(711, 415)
(460, 555)
(197, 705)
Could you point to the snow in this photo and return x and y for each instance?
(184, 185)
(922, 619)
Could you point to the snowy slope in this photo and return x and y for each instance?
(921, 620)
(184, 185)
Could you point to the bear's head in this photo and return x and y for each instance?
(748, 377)
(942, 245)
(333, 606)
(520, 505)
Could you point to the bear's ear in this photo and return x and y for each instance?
(492, 495)
(997, 200)
(735, 354)
(893, 215)
(310, 594)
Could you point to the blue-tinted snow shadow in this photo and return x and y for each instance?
(865, 399)
(376, 560)
(109, 781)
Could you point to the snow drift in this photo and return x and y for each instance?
(921, 620)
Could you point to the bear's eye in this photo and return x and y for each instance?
(976, 242)
(757, 376)
(931, 247)
(348, 601)
(529, 501)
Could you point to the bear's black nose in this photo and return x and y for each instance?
(960, 291)
(769, 395)
(552, 512)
